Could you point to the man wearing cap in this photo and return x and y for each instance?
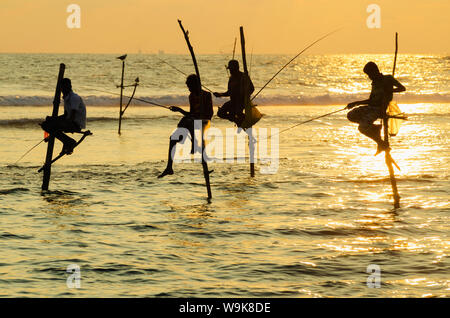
(233, 109)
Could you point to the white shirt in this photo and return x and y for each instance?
(73, 102)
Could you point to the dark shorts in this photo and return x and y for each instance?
(364, 115)
(189, 124)
(59, 124)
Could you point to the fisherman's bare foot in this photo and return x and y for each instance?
(166, 172)
(68, 147)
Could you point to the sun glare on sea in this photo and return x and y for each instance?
(410, 159)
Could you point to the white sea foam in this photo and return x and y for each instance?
(308, 80)
(267, 100)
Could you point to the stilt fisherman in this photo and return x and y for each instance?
(73, 119)
(198, 111)
(383, 87)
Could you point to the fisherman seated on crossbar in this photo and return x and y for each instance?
(199, 110)
(375, 107)
(233, 110)
(73, 119)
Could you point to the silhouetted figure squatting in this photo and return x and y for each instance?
(73, 119)
(233, 109)
(198, 111)
(374, 107)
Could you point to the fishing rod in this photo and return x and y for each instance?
(174, 67)
(320, 39)
(180, 71)
(139, 99)
(312, 119)
(251, 61)
(309, 120)
(26, 153)
(234, 52)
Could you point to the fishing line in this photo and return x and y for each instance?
(26, 153)
(251, 60)
(180, 71)
(139, 99)
(305, 122)
(320, 39)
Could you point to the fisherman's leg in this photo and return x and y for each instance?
(173, 141)
(239, 114)
(356, 114)
(372, 131)
(50, 125)
(55, 127)
(188, 123)
(226, 111)
(369, 129)
(364, 117)
(194, 144)
(67, 126)
(169, 169)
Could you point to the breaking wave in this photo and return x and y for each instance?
(27, 122)
(180, 100)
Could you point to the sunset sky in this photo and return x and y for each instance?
(271, 26)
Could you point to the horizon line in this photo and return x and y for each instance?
(221, 53)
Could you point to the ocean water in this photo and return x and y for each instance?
(29, 79)
(309, 230)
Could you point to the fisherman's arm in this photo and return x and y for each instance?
(178, 109)
(216, 94)
(398, 86)
(358, 103)
(227, 93)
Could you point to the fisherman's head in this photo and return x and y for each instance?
(371, 69)
(66, 86)
(233, 66)
(193, 83)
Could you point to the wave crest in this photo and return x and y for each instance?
(182, 100)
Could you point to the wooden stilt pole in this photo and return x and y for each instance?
(395, 56)
(121, 95)
(51, 140)
(388, 158)
(251, 144)
(194, 60)
(205, 167)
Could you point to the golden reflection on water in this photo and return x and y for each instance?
(372, 229)
(417, 282)
(411, 160)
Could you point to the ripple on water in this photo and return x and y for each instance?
(14, 190)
